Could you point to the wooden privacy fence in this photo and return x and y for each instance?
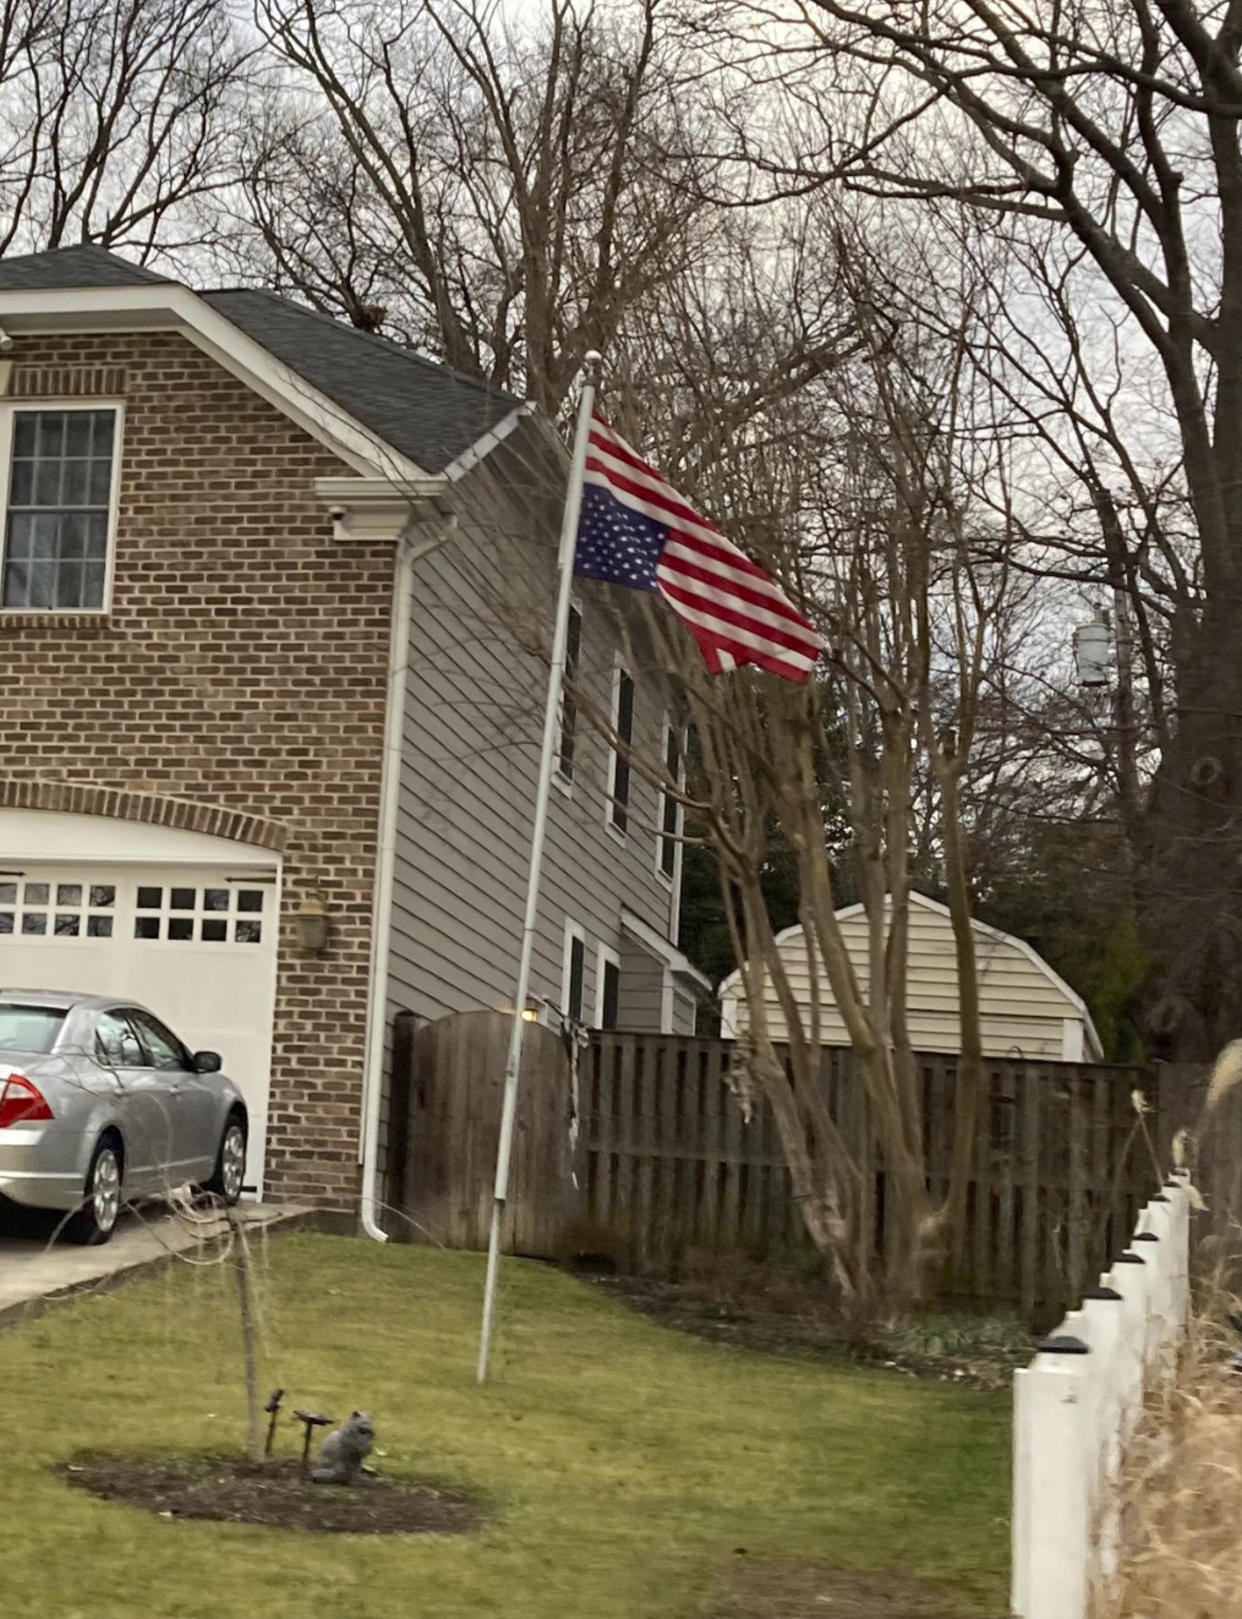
(665, 1160)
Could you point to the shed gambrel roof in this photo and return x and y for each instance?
(425, 411)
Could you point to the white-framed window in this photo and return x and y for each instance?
(573, 971)
(607, 988)
(618, 755)
(672, 812)
(567, 740)
(60, 465)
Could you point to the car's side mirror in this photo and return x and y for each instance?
(206, 1062)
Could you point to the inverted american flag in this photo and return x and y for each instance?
(636, 530)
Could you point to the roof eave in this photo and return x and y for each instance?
(664, 949)
(483, 446)
(371, 509)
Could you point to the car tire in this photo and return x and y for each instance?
(96, 1219)
(226, 1180)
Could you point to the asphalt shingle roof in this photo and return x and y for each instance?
(423, 409)
(83, 266)
(429, 413)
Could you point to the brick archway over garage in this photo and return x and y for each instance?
(148, 808)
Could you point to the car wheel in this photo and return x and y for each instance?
(95, 1221)
(230, 1170)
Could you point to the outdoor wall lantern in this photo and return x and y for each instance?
(311, 919)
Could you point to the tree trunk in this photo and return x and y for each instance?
(244, 1266)
(1190, 869)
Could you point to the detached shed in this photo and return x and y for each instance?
(1026, 1009)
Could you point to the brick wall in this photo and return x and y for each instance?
(241, 668)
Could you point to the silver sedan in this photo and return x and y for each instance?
(101, 1104)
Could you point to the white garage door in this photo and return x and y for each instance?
(194, 942)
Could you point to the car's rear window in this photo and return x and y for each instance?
(28, 1028)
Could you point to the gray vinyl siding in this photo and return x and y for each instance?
(474, 714)
(642, 990)
(685, 1011)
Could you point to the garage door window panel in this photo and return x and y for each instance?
(59, 514)
(205, 915)
(68, 910)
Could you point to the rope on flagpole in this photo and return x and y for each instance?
(547, 761)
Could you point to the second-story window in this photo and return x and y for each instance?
(569, 709)
(59, 509)
(607, 989)
(573, 971)
(670, 807)
(619, 768)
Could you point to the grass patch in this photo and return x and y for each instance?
(623, 1465)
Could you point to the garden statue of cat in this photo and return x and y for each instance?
(342, 1452)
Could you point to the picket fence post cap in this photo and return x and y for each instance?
(1064, 1344)
(1103, 1292)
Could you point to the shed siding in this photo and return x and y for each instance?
(474, 714)
(1021, 1010)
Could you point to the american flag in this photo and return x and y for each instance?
(635, 530)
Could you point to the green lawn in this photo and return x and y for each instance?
(624, 1463)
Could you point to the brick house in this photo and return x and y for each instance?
(271, 724)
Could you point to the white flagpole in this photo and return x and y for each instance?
(547, 760)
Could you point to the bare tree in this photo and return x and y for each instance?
(854, 488)
(1113, 126)
(497, 192)
(118, 121)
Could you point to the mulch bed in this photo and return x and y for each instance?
(229, 1489)
(748, 1325)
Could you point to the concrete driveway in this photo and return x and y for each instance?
(35, 1271)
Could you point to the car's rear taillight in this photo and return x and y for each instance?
(21, 1101)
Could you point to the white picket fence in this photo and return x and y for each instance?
(1076, 1407)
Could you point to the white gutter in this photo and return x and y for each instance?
(408, 553)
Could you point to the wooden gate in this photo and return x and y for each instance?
(455, 1132)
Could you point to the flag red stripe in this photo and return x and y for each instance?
(798, 669)
(669, 506)
(713, 607)
(735, 610)
(771, 601)
(740, 634)
(612, 443)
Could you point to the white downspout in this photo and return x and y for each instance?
(408, 554)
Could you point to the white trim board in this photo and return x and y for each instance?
(52, 835)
